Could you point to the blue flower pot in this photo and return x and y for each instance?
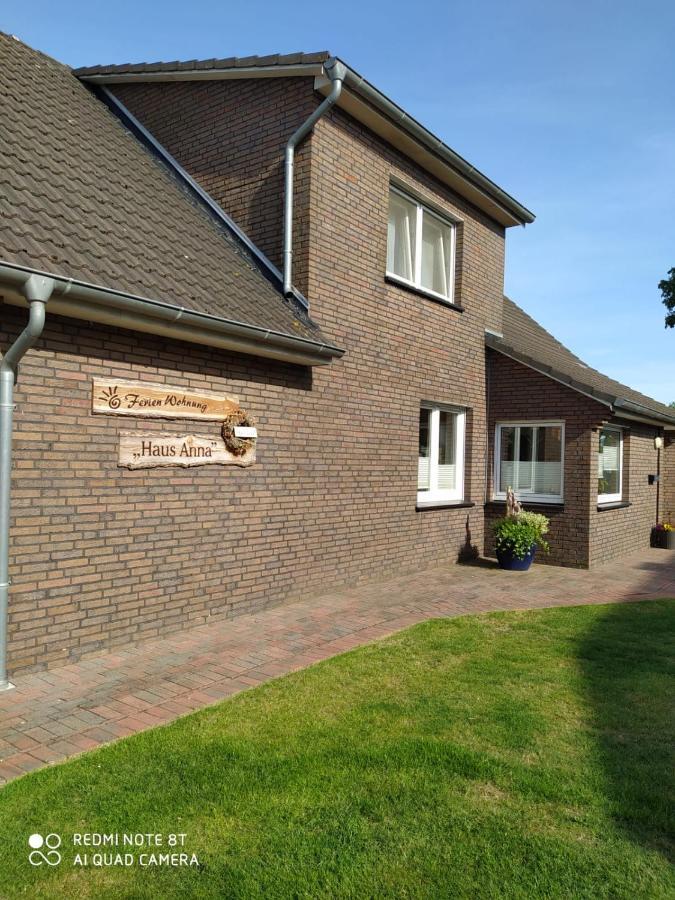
(507, 560)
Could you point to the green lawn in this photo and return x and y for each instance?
(506, 755)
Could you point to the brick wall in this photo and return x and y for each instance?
(618, 532)
(102, 555)
(668, 478)
(230, 136)
(581, 534)
(518, 393)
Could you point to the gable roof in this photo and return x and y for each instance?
(82, 199)
(360, 99)
(527, 342)
(279, 60)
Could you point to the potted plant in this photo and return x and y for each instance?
(518, 535)
(663, 536)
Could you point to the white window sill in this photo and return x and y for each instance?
(424, 292)
(538, 500)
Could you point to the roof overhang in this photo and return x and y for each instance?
(619, 406)
(376, 111)
(226, 74)
(93, 303)
(389, 121)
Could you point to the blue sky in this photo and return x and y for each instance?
(568, 106)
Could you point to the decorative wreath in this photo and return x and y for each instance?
(237, 446)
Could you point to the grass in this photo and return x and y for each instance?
(507, 755)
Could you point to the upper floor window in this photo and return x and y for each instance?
(529, 459)
(420, 246)
(610, 465)
(440, 463)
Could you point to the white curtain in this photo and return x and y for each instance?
(401, 237)
(436, 250)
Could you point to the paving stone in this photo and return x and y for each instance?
(79, 706)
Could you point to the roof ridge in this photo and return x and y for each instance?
(255, 60)
(52, 59)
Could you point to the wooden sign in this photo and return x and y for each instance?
(139, 450)
(139, 398)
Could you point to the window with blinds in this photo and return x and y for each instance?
(440, 462)
(610, 465)
(529, 459)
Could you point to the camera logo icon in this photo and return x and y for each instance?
(50, 855)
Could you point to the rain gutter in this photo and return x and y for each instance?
(94, 303)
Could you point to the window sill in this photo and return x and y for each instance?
(617, 504)
(420, 291)
(498, 501)
(443, 504)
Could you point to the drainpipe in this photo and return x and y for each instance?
(336, 72)
(662, 435)
(37, 289)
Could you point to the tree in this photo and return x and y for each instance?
(667, 288)
(672, 405)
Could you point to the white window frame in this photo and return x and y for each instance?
(416, 282)
(614, 498)
(435, 494)
(526, 496)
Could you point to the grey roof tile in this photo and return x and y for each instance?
(231, 62)
(529, 341)
(86, 200)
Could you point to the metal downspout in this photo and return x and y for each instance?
(336, 72)
(37, 289)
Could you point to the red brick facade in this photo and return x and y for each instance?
(517, 393)
(582, 534)
(230, 136)
(668, 477)
(103, 556)
(618, 532)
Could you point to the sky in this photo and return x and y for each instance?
(567, 106)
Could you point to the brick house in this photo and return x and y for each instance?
(395, 390)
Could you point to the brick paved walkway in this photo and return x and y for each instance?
(56, 714)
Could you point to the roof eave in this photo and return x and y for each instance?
(215, 74)
(367, 104)
(494, 343)
(616, 404)
(94, 303)
(637, 409)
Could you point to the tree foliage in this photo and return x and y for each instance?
(667, 288)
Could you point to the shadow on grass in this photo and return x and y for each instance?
(628, 663)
